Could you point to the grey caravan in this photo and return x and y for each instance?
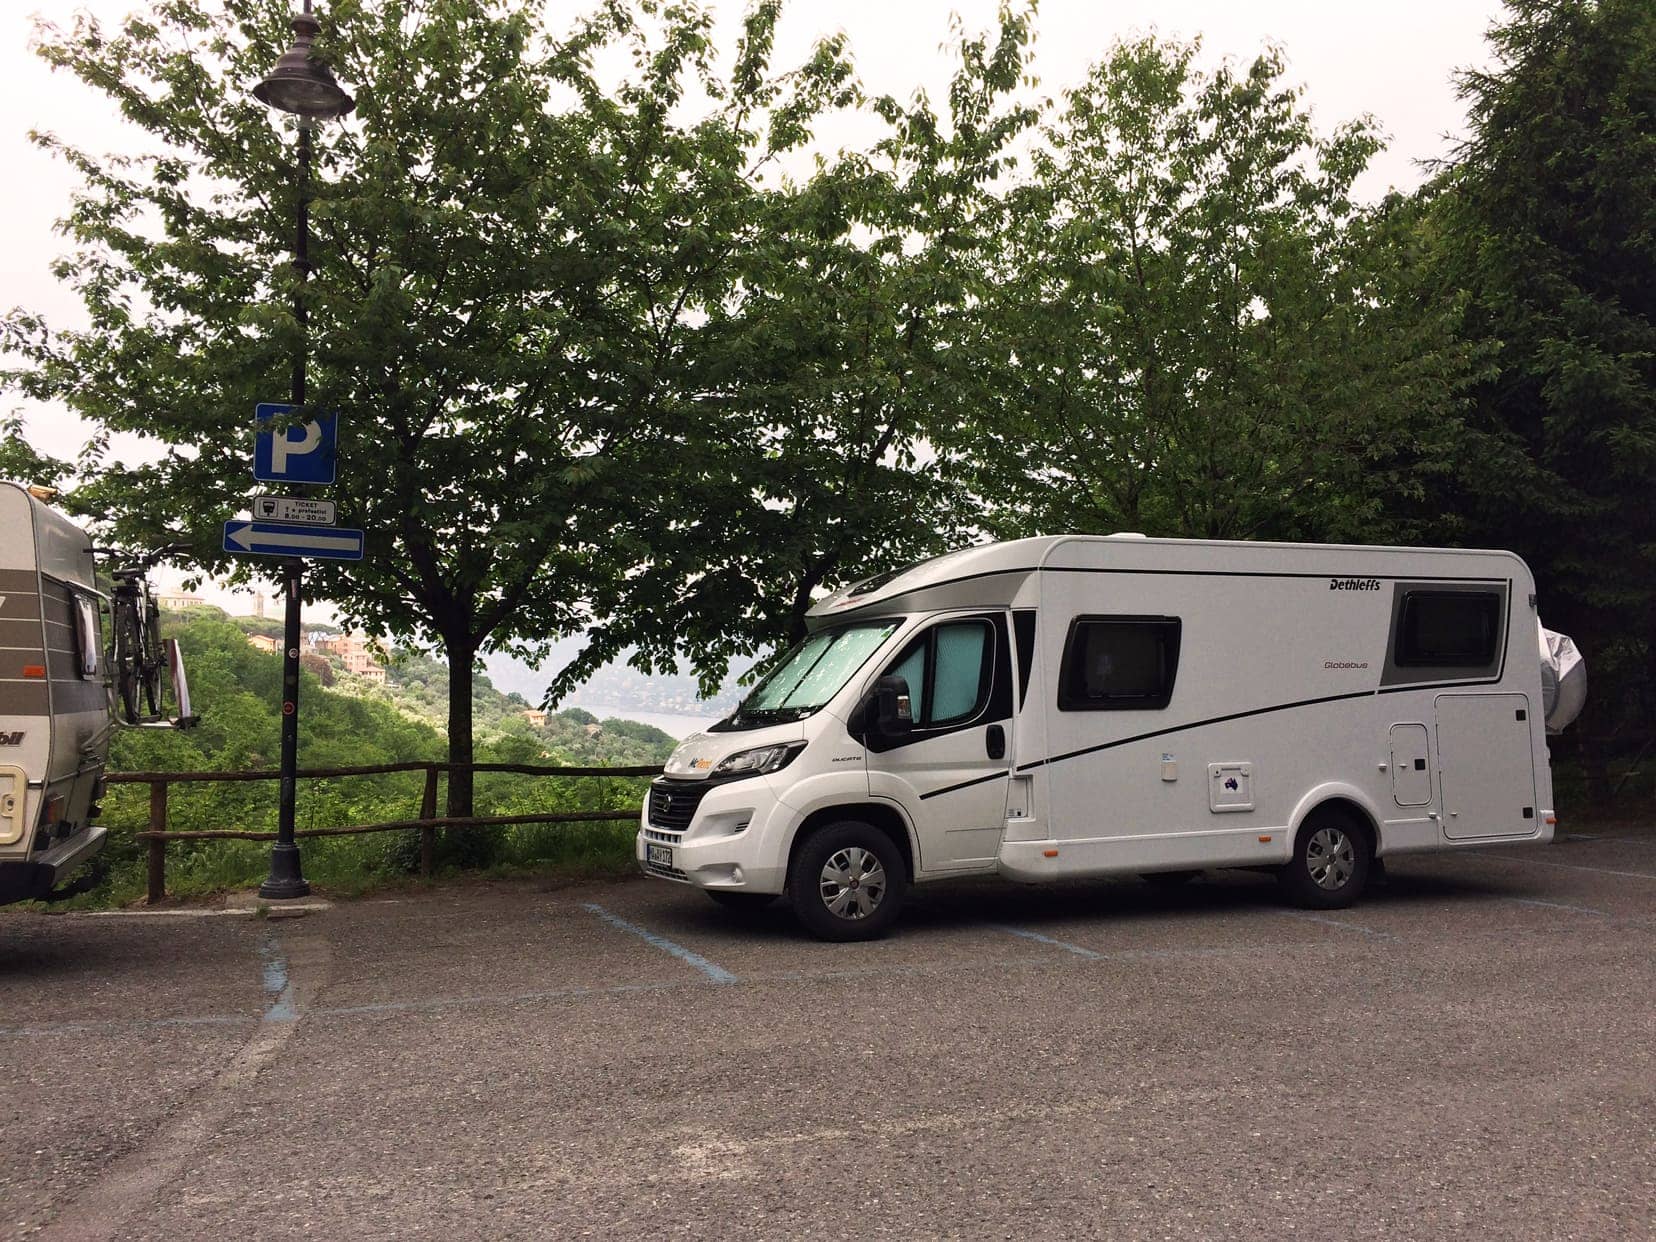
(1092, 705)
(55, 718)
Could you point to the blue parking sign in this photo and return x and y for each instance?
(298, 453)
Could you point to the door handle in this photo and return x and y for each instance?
(995, 742)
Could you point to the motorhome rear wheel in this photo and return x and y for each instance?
(1330, 866)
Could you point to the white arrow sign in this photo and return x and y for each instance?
(277, 539)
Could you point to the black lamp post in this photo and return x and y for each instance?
(303, 86)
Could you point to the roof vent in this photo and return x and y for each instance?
(1127, 534)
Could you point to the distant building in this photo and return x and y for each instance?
(175, 603)
(359, 655)
(264, 642)
(534, 716)
(594, 729)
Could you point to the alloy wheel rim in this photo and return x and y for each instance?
(852, 883)
(1331, 858)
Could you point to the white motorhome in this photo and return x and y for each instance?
(55, 718)
(1072, 706)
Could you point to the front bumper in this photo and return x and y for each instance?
(735, 838)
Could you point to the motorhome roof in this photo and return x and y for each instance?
(1029, 555)
(57, 547)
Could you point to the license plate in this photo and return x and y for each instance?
(661, 855)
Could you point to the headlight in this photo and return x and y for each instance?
(760, 760)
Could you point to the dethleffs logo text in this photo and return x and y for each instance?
(1354, 584)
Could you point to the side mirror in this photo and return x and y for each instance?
(892, 714)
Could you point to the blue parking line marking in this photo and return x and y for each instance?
(1557, 905)
(1065, 945)
(712, 970)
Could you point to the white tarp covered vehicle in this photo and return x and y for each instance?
(1563, 680)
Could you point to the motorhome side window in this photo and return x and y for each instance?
(1119, 664)
(947, 669)
(1449, 629)
(86, 635)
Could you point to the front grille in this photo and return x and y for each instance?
(666, 873)
(666, 838)
(673, 803)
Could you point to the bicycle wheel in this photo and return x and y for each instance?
(152, 659)
(125, 657)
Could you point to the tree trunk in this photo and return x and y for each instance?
(461, 656)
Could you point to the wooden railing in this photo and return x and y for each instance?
(158, 834)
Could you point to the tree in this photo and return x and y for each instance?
(1547, 216)
(21, 462)
(511, 263)
(1202, 334)
(849, 348)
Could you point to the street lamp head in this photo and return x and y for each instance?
(301, 84)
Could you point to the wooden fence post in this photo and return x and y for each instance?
(157, 847)
(428, 834)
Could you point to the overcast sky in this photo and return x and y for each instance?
(1393, 62)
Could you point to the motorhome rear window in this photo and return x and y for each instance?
(1449, 629)
(1119, 664)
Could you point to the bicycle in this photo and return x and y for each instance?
(136, 653)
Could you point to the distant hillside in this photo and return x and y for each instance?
(348, 721)
(416, 687)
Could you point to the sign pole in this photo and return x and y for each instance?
(286, 879)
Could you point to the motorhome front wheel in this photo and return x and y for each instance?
(847, 882)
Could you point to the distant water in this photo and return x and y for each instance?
(678, 726)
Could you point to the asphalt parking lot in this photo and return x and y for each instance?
(1467, 1052)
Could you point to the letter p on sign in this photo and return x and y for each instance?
(289, 452)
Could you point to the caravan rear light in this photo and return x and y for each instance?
(1552, 819)
(52, 812)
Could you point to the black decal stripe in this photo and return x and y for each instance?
(976, 780)
(1195, 724)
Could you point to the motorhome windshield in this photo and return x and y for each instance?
(810, 674)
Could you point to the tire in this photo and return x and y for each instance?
(153, 659)
(1332, 857)
(1169, 879)
(126, 662)
(847, 882)
(740, 902)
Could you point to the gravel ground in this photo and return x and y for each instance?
(1467, 1052)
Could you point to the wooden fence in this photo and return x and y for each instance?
(158, 834)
